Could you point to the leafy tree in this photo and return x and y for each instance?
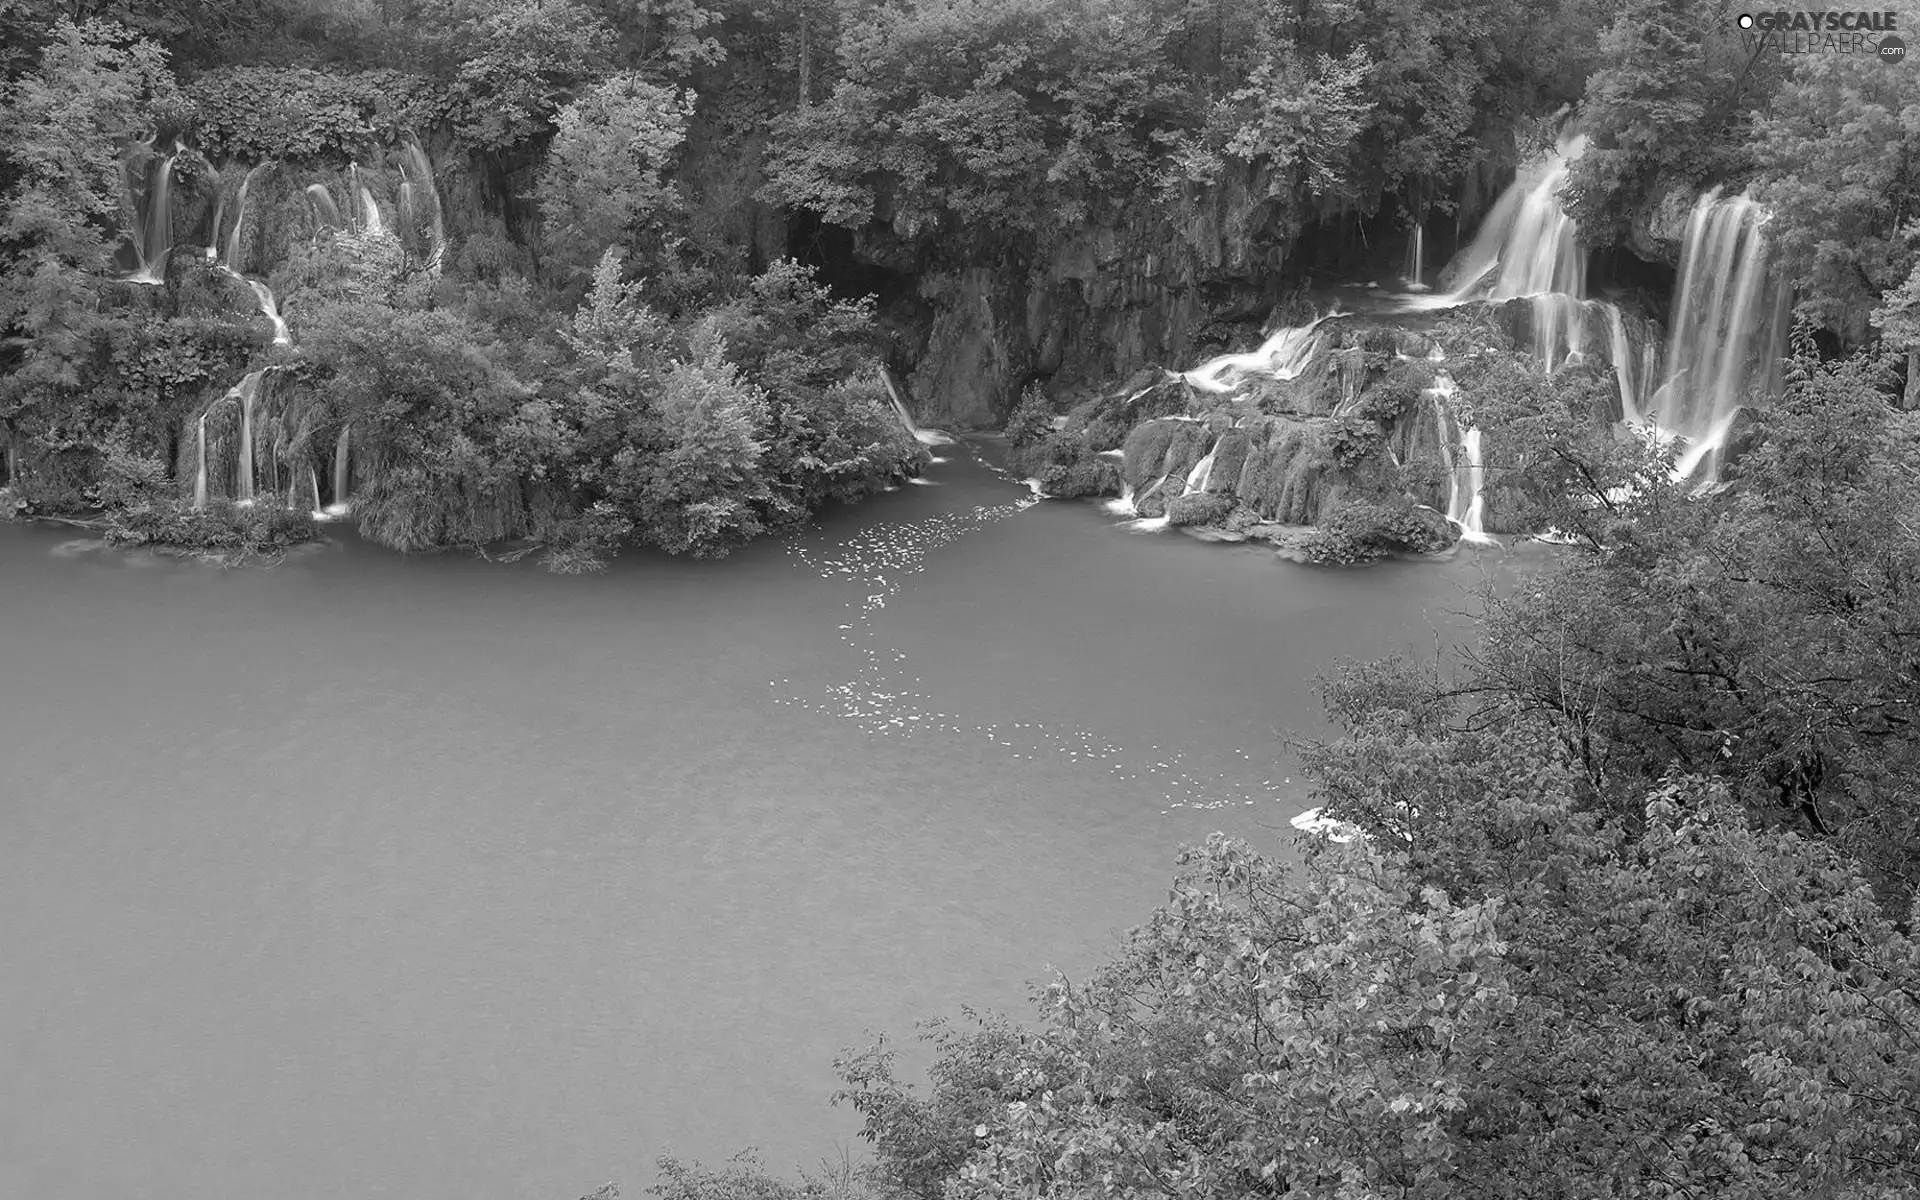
(1528, 1007)
(1765, 640)
(604, 180)
(1839, 153)
(96, 86)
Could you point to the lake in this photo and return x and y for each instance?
(365, 876)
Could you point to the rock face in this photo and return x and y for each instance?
(1096, 304)
(1658, 226)
(1346, 460)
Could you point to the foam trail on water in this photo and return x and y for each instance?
(884, 697)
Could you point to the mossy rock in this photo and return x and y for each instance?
(1199, 508)
(1089, 477)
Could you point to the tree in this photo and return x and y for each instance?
(97, 85)
(1839, 152)
(605, 177)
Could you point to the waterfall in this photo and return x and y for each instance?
(1526, 245)
(1202, 472)
(1284, 354)
(926, 437)
(248, 391)
(340, 471)
(370, 213)
(1630, 385)
(1417, 258)
(200, 473)
(240, 219)
(419, 183)
(1122, 507)
(325, 211)
(213, 238)
(1466, 472)
(272, 310)
(152, 231)
(1727, 326)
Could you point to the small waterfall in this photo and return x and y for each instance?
(248, 392)
(1122, 507)
(325, 211)
(1623, 367)
(152, 231)
(1417, 258)
(213, 238)
(340, 471)
(240, 219)
(1466, 471)
(418, 171)
(200, 475)
(370, 213)
(1727, 330)
(926, 437)
(1202, 472)
(1284, 354)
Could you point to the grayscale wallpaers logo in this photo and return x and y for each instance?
(1870, 33)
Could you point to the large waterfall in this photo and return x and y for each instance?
(1729, 323)
(1528, 249)
(1729, 316)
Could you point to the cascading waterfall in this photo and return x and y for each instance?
(1284, 354)
(1466, 471)
(1527, 249)
(1417, 258)
(1729, 320)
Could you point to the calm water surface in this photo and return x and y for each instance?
(366, 876)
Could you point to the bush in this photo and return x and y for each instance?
(1088, 477)
(1032, 419)
(266, 527)
(1362, 530)
(1201, 508)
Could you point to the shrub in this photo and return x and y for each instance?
(1201, 508)
(1032, 418)
(235, 531)
(1361, 530)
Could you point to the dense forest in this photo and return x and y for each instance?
(1631, 907)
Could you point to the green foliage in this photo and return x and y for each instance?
(1354, 440)
(605, 175)
(231, 532)
(255, 113)
(1674, 98)
(1031, 420)
(1393, 395)
(1836, 152)
(95, 84)
(1760, 640)
(519, 61)
(1359, 531)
